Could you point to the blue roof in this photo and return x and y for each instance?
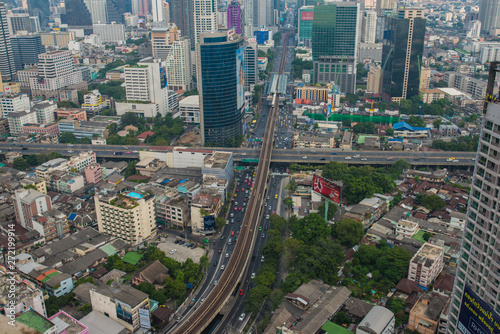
(182, 181)
(165, 181)
(72, 216)
(395, 139)
(405, 126)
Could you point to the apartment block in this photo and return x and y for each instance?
(406, 228)
(51, 225)
(29, 203)
(93, 174)
(18, 119)
(467, 84)
(14, 103)
(26, 296)
(93, 103)
(426, 264)
(130, 216)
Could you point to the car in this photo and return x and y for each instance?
(135, 151)
(232, 214)
(223, 237)
(266, 227)
(276, 196)
(128, 152)
(253, 276)
(269, 208)
(390, 158)
(262, 258)
(232, 233)
(242, 317)
(364, 159)
(68, 144)
(235, 208)
(239, 209)
(70, 151)
(215, 282)
(227, 254)
(348, 158)
(235, 203)
(267, 216)
(304, 157)
(267, 197)
(263, 235)
(260, 228)
(456, 160)
(173, 251)
(220, 250)
(202, 300)
(242, 189)
(215, 263)
(244, 200)
(235, 194)
(450, 159)
(335, 153)
(243, 153)
(241, 292)
(222, 267)
(237, 190)
(232, 221)
(322, 159)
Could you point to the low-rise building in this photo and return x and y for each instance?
(430, 314)
(205, 203)
(26, 296)
(94, 103)
(93, 173)
(405, 130)
(174, 211)
(315, 141)
(154, 273)
(426, 264)
(35, 322)
(51, 225)
(18, 119)
(71, 113)
(149, 166)
(432, 176)
(406, 228)
(378, 321)
(189, 109)
(219, 164)
(346, 142)
(39, 128)
(70, 324)
(55, 282)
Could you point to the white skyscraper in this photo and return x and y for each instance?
(262, 15)
(205, 17)
(159, 11)
(178, 65)
(97, 9)
(248, 18)
(489, 14)
(56, 70)
(368, 26)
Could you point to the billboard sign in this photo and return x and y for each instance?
(240, 77)
(209, 223)
(306, 16)
(303, 101)
(476, 316)
(123, 311)
(163, 77)
(144, 318)
(326, 188)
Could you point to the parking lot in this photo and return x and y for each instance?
(182, 253)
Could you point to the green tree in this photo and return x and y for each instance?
(433, 202)
(332, 210)
(368, 128)
(416, 121)
(20, 164)
(130, 170)
(427, 236)
(67, 138)
(288, 202)
(398, 167)
(437, 123)
(291, 186)
(67, 104)
(220, 222)
(310, 228)
(389, 132)
(348, 232)
(346, 122)
(335, 171)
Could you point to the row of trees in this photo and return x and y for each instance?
(440, 107)
(461, 144)
(299, 65)
(34, 160)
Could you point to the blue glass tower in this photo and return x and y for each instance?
(221, 85)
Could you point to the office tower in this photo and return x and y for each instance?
(29, 203)
(384, 6)
(144, 7)
(181, 12)
(368, 26)
(110, 33)
(113, 12)
(56, 70)
(251, 67)
(147, 82)
(162, 39)
(204, 17)
(160, 15)
(178, 65)
(489, 14)
(40, 9)
(334, 44)
(7, 65)
(26, 50)
(129, 216)
(403, 46)
(306, 14)
(478, 268)
(248, 18)
(221, 86)
(262, 12)
(234, 16)
(97, 9)
(19, 22)
(373, 80)
(77, 14)
(474, 29)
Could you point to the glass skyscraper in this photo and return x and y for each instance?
(305, 24)
(334, 40)
(221, 85)
(403, 46)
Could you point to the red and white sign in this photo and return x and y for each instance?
(306, 16)
(326, 188)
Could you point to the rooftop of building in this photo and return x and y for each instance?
(427, 254)
(125, 294)
(35, 321)
(190, 101)
(377, 319)
(430, 306)
(68, 324)
(407, 223)
(64, 244)
(22, 290)
(217, 160)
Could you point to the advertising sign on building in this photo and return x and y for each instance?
(123, 311)
(144, 318)
(240, 77)
(476, 316)
(306, 16)
(326, 188)
(209, 223)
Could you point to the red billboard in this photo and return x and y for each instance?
(304, 101)
(326, 188)
(306, 16)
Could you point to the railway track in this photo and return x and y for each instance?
(238, 262)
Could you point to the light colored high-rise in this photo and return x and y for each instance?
(13, 103)
(383, 6)
(162, 39)
(262, 14)
(368, 26)
(178, 65)
(129, 216)
(248, 18)
(110, 33)
(204, 16)
(251, 67)
(478, 269)
(474, 29)
(98, 10)
(489, 14)
(19, 22)
(159, 12)
(7, 65)
(373, 81)
(56, 70)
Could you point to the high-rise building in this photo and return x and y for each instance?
(10, 103)
(182, 14)
(110, 33)
(56, 70)
(403, 47)
(489, 14)
(221, 76)
(19, 22)
(368, 26)
(7, 65)
(178, 65)
(384, 6)
(113, 12)
(478, 269)
(263, 6)
(40, 9)
(162, 39)
(334, 44)
(234, 16)
(77, 14)
(251, 67)
(130, 217)
(97, 9)
(26, 50)
(306, 14)
(248, 17)
(159, 11)
(145, 82)
(204, 17)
